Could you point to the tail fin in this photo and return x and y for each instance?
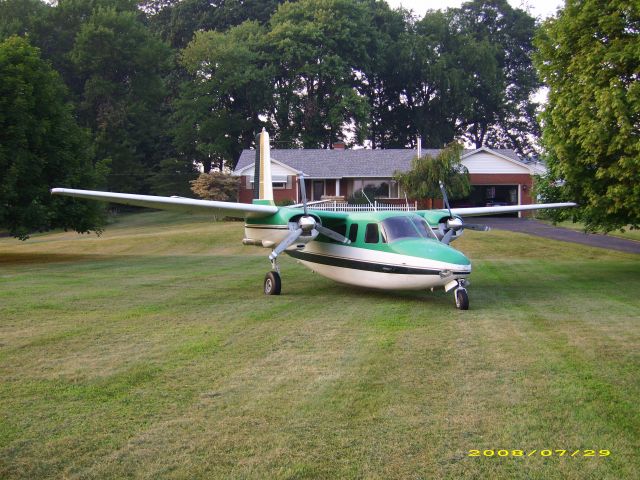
(262, 183)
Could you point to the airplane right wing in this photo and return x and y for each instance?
(473, 211)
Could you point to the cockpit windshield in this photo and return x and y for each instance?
(398, 228)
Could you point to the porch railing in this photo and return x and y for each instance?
(334, 206)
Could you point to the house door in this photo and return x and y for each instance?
(318, 189)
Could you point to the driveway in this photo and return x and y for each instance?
(534, 227)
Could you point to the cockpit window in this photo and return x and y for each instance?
(423, 227)
(398, 228)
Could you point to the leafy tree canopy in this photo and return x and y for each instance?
(590, 58)
(423, 180)
(41, 146)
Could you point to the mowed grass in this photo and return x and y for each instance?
(151, 352)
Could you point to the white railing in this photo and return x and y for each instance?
(334, 206)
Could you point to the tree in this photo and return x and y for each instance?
(589, 56)
(119, 65)
(219, 111)
(320, 48)
(20, 17)
(423, 180)
(41, 146)
(501, 113)
(176, 21)
(216, 186)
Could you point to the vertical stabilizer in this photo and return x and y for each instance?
(262, 183)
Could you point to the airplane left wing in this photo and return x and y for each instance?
(187, 205)
(472, 211)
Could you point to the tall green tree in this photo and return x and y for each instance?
(320, 48)
(176, 21)
(20, 17)
(41, 146)
(589, 56)
(119, 65)
(501, 112)
(219, 111)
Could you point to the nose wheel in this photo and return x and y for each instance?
(462, 299)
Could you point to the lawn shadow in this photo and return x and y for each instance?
(35, 258)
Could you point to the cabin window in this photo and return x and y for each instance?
(353, 232)
(371, 234)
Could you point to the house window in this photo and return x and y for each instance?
(377, 187)
(278, 182)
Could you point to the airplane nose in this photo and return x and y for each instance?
(432, 250)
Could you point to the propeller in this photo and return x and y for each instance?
(306, 226)
(455, 224)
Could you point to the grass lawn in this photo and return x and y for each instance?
(151, 352)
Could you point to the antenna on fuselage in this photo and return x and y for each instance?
(365, 196)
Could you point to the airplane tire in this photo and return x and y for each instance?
(462, 299)
(272, 283)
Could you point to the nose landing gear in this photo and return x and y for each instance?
(460, 293)
(462, 299)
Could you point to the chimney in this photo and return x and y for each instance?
(419, 146)
(338, 146)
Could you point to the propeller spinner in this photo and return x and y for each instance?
(305, 226)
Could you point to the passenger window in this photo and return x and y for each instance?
(371, 233)
(353, 232)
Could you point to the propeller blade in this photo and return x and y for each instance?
(445, 198)
(286, 243)
(327, 232)
(475, 226)
(447, 236)
(303, 192)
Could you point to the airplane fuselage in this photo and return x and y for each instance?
(388, 250)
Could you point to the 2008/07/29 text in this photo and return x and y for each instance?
(547, 452)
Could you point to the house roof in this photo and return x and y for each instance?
(322, 163)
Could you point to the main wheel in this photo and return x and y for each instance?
(272, 283)
(462, 299)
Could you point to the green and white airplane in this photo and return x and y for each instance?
(389, 250)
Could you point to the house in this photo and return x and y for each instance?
(498, 176)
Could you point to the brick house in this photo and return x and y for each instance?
(498, 176)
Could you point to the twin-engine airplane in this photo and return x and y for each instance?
(390, 250)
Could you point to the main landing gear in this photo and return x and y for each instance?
(272, 282)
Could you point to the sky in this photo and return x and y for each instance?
(536, 8)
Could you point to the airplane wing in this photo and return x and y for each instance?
(187, 205)
(472, 211)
